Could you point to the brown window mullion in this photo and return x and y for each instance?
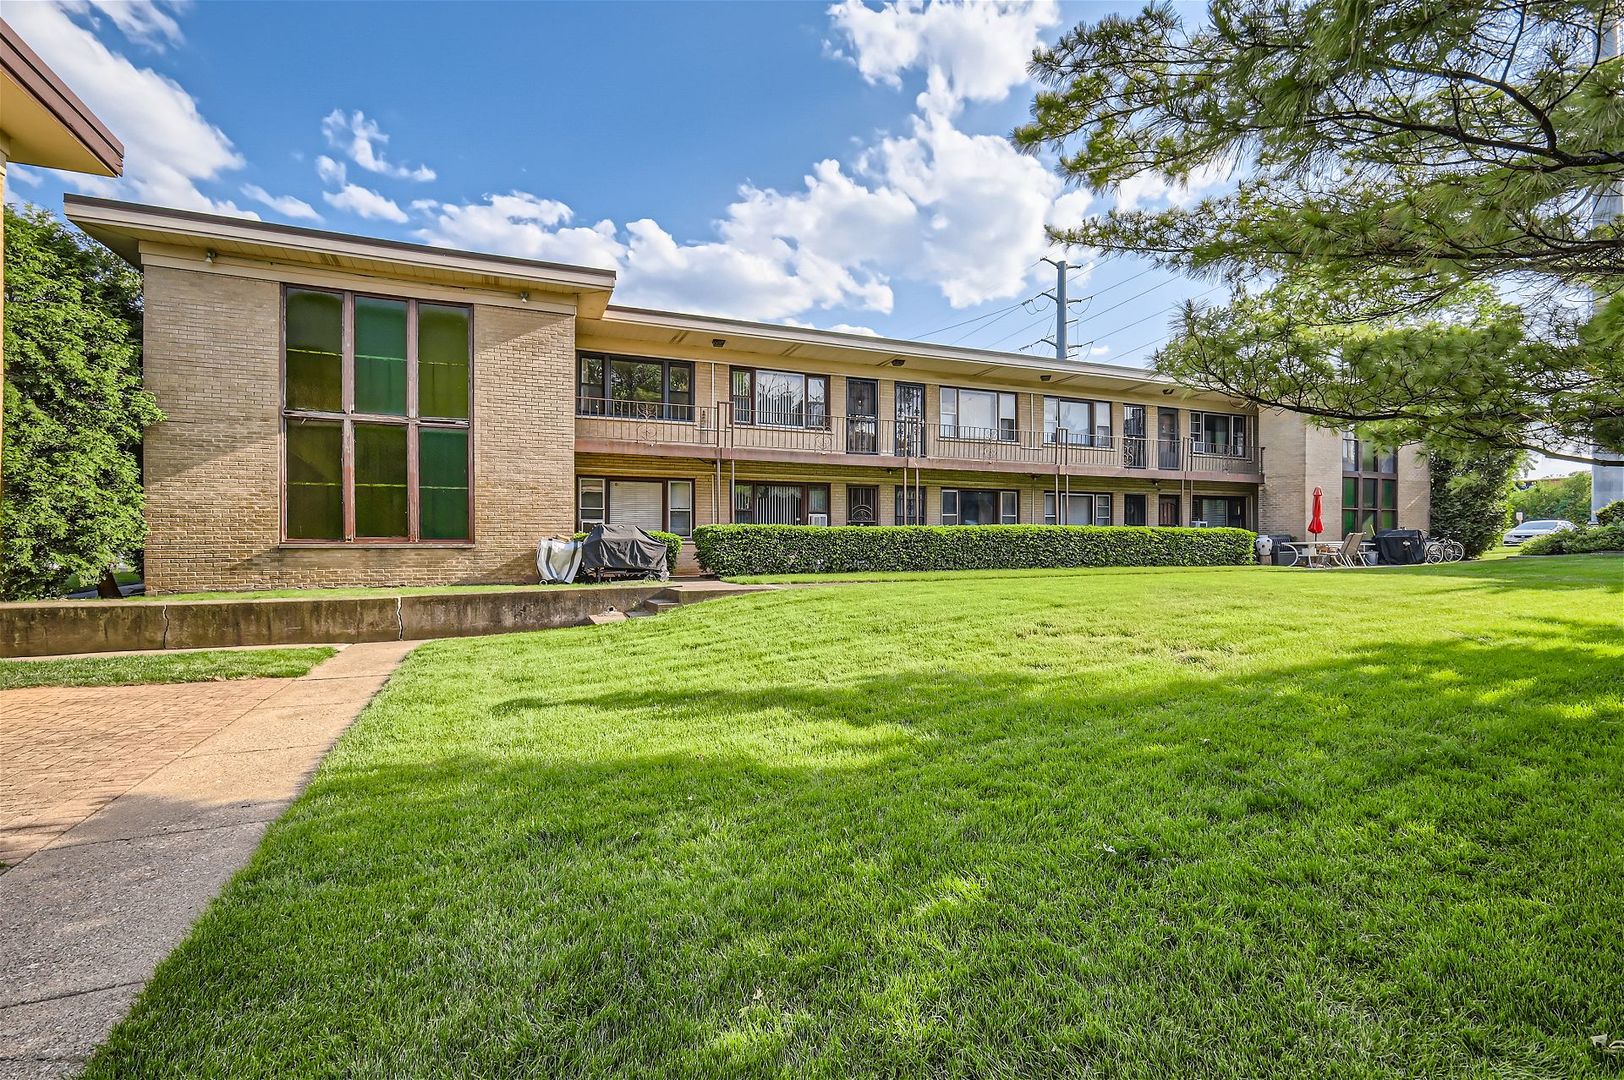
(349, 481)
(412, 531)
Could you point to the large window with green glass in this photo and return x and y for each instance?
(1369, 486)
(377, 421)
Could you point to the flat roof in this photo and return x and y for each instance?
(796, 340)
(45, 122)
(126, 226)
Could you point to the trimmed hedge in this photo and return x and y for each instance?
(672, 542)
(732, 550)
(1612, 513)
(1581, 541)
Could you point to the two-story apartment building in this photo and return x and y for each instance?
(350, 411)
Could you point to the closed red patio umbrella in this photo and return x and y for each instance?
(1317, 525)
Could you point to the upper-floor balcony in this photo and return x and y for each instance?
(673, 430)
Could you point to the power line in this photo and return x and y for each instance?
(1027, 329)
(1006, 313)
(1154, 314)
(966, 322)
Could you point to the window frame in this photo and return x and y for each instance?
(1051, 506)
(1245, 501)
(1238, 446)
(665, 482)
(750, 414)
(346, 416)
(1091, 437)
(664, 409)
(806, 500)
(999, 433)
(908, 496)
(1012, 517)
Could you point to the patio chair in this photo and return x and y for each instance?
(1348, 555)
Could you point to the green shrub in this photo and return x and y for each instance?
(1580, 541)
(731, 550)
(672, 542)
(1612, 513)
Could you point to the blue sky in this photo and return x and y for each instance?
(832, 165)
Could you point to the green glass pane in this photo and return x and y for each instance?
(1369, 501)
(1350, 521)
(380, 480)
(442, 361)
(380, 356)
(1350, 491)
(442, 484)
(1389, 519)
(1367, 456)
(1389, 495)
(315, 344)
(315, 481)
(1367, 522)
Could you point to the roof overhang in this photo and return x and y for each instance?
(131, 229)
(658, 328)
(43, 122)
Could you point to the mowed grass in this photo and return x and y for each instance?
(203, 666)
(1116, 824)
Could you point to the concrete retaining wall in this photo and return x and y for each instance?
(89, 626)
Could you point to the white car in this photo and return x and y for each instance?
(1530, 529)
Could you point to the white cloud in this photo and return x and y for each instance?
(521, 224)
(286, 205)
(362, 141)
(366, 203)
(22, 174)
(968, 51)
(1147, 189)
(168, 146)
(332, 172)
(839, 327)
(145, 22)
(1099, 350)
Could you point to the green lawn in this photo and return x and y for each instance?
(204, 666)
(1215, 824)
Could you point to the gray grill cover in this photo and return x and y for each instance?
(624, 549)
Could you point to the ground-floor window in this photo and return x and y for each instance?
(651, 505)
(1368, 503)
(974, 506)
(781, 504)
(1220, 511)
(1167, 510)
(1133, 510)
(1084, 509)
(910, 506)
(862, 504)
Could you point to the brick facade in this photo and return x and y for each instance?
(214, 465)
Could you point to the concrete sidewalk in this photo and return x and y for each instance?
(86, 919)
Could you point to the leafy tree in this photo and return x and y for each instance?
(1413, 193)
(1470, 495)
(1612, 513)
(1568, 498)
(74, 408)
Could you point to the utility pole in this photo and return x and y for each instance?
(1061, 307)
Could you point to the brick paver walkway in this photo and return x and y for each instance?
(65, 752)
(136, 805)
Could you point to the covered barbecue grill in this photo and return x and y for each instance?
(623, 551)
(1401, 547)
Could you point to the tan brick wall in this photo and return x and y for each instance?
(1414, 489)
(214, 465)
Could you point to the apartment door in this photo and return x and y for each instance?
(1167, 438)
(910, 435)
(1133, 436)
(862, 416)
(1167, 510)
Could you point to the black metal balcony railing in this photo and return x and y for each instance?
(661, 423)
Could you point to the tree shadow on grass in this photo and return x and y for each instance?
(1388, 861)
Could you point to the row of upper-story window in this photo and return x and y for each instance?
(624, 386)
